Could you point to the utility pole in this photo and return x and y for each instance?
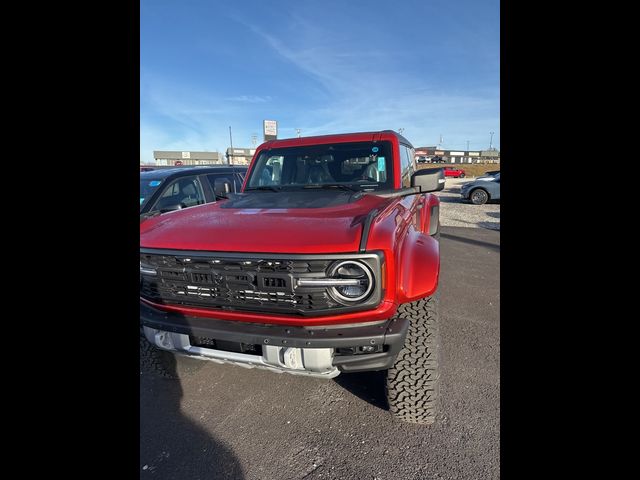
(231, 151)
(298, 132)
(254, 138)
(440, 144)
(491, 141)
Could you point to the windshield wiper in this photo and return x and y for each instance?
(328, 186)
(264, 187)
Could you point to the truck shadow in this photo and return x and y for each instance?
(471, 241)
(447, 199)
(368, 386)
(172, 445)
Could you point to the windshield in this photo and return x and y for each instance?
(358, 165)
(148, 186)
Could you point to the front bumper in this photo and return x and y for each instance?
(313, 351)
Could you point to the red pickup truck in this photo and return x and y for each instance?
(326, 262)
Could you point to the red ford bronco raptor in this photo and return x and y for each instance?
(326, 262)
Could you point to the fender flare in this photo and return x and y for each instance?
(419, 264)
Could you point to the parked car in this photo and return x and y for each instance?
(165, 190)
(482, 190)
(326, 263)
(454, 172)
(488, 176)
(146, 169)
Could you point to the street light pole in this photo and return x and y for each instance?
(231, 151)
(491, 141)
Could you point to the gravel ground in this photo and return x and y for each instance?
(455, 213)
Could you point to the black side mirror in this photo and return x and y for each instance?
(428, 179)
(221, 187)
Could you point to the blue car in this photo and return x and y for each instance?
(482, 190)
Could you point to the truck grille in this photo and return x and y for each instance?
(244, 284)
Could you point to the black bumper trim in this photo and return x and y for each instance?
(386, 332)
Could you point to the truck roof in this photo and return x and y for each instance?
(340, 137)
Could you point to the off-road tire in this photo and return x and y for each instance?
(412, 382)
(156, 362)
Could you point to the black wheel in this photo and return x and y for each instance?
(412, 382)
(479, 196)
(462, 175)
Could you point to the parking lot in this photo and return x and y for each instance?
(455, 213)
(227, 422)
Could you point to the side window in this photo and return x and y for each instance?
(230, 177)
(412, 156)
(186, 192)
(238, 180)
(406, 165)
(170, 191)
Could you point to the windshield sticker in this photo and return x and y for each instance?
(154, 183)
(374, 149)
(381, 164)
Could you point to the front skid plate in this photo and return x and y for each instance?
(331, 374)
(311, 362)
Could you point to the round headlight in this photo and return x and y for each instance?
(361, 281)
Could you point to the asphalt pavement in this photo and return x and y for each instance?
(228, 422)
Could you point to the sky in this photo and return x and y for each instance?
(428, 67)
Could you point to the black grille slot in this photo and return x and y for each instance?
(173, 274)
(199, 277)
(273, 282)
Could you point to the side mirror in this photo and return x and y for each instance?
(221, 187)
(428, 179)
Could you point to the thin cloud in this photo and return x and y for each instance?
(250, 99)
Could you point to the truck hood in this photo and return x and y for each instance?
(326, 222)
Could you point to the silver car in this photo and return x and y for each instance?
(482, 190)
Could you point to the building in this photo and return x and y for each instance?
(166, 158)
(239, 156)
(490, 156)
(457, 156)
